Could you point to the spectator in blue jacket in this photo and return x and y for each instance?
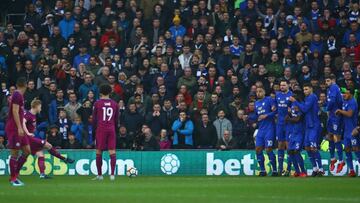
(58, 102)
(67, 25)
(82, 57)
(177, 29)
(3, 65)
(183, 132)
(317, 44)
(88, 86)
(78, 128)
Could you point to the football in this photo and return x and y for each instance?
(132, 172)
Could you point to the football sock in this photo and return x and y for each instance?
(295, 163)
(332, 149)
(289, 161)
(41, 164)
(113, 163)
(99, 164)
(300, 162)
(312, 159)
(13, 168)
(318, 159)
(272, 159)
(339, 150)
(281, 153)
(349, 160)
(20, 163)
(260, 158)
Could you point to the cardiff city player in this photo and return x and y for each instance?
(105, 117)
(334, 103)
(310, 109)
(282, 105)
(17, 140)
(38, 145)
(266, 128)
(296, 137)
(349, 112)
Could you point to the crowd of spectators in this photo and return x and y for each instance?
(184, 72)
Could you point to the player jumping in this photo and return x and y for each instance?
(105, 115)
(17, 140)
(282, 104)
(334, 103)
(266, 128)
(38, 145)
(349, 112)
(310, 110)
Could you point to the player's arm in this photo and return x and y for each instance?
(15, 112)
(331, 100)
(306, 105)
(273, 111)
(348, 113)
(25, 128)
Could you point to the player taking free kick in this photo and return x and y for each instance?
(38, 145)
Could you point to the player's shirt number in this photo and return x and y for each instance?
(107, 113)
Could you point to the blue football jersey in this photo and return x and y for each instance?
(350, 122)
(264, 107)
(334, 100)
(282, 105)
(310, 109)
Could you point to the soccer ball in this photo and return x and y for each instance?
(170, 164)
(132, 172)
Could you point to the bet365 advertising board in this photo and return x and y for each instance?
(199, 163)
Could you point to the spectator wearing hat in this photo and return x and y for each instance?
(47, 28)
(177, 29)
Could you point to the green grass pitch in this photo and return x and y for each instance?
(66, 189)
